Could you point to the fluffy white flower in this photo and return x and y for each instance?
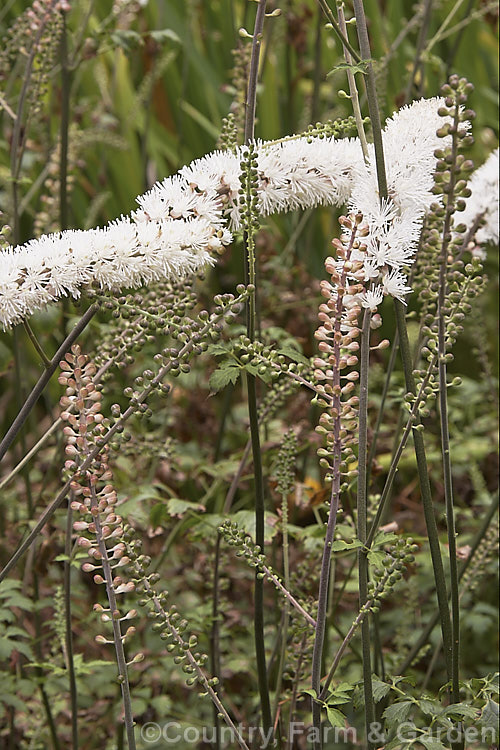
(372, 298)
(394, 283)
(483, 201)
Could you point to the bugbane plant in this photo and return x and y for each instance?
(156, 489)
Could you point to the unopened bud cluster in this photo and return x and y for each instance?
(93, 495)
(399, 555)
(444, 242)
(167, 622)
(335, 372)
(485, 555)
(285, 464)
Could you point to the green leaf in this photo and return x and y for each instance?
(360, 67)
(429, 707)
(164, 35)
(227, 373)
(126, 39)
(398, 712)
(376, 558)
(340, 694)
(339, 545)
(431, 743)
(457, 710)
(384, 537)
(380, 690)
(265, 376)
(177, 508)
(335, 717)
(246, 521)
(219, 349)
(490, 717)
(293, 354)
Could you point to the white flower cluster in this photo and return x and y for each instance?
(483, 202)
(183, 220)
(394, 226)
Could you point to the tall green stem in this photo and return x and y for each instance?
(371, 94)
(64, 129)
(373, 109)
(420, 643)
(362, 522)
(443, 416)
(418, 440)
(70, 663)
(260, 650)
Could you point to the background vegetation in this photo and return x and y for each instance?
(126, 93)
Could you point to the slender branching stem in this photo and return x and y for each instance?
(44, 379)
(202, 677)
(18, 136)
(383, 399)
(353, 89)
(338, 656)
(70, 663)
(422, 36)
(295, 689)
(371, 94)
(115, 619)
(321, 617)
(36, 344)
(118, 426)
(286, 612)
(55, 425)
(335, 25)
(373, 109)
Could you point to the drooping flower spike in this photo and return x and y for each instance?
(182, 221)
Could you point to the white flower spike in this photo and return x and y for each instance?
(183, 220)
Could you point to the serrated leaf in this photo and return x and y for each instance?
(384, 537)
(457, 710)
(177, 508)
(490, 718)
(219, 349)
(380, 690)
(429, 707)
(265, 376)
(340, 694)
(339, 545)
(431, 743)
(224, 375)
(376, 558)
(360, 67)
(398, 712)
(335, 717)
